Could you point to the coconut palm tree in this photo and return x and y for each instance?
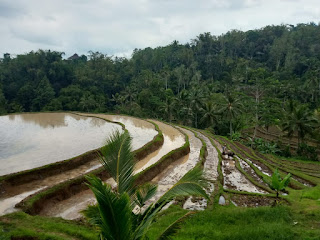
(114, 215)
(298, 119)
(196, 101)
(210, 114)
(231, 107)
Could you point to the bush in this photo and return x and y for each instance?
(308, 152)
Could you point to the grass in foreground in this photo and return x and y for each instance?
(238, 223)
(20, 224)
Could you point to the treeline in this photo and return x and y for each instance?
(230, 82)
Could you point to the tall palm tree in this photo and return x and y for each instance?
(196, 101)
(298, 119)
(210, 114)
(113, 215)
(231, 107)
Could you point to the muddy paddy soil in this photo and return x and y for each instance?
(246, 167)
(142, 131)
(210, 173)
(242, 200)
(262, 167)
(178, 169)
(70, 208)
(235, 180)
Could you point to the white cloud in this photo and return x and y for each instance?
(117, 27)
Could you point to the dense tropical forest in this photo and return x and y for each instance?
(227, 83)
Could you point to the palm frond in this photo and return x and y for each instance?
(173, 227)
(144, 193)
(92, 214)
(114, 209)
(192, 183)
(117, 158)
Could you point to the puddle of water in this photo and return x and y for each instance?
(33, 140)
(8, 205)
(140, 130)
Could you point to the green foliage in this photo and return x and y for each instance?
(228, 83)
(298, 119)
(277, 183)
(307, 152)
(235, 136)
(264, 146)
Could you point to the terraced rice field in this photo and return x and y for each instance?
(241, 180)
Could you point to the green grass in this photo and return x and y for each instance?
(313, 193)
(232, 223)
(23, 225)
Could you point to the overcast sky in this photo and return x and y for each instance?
(116, 27)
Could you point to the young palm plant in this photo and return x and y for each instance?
(113, 215)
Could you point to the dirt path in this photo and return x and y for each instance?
(142, 131)
(71, 207)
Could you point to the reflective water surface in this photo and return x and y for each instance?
(140, 130)
(32, 140)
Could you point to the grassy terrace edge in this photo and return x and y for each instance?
(34, 203)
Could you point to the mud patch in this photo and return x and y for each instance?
(243, 200)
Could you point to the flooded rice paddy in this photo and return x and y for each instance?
(140, 130)
(70, 208)
(32, 140)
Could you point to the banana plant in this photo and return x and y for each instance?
(114, 215)
(277, 183)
